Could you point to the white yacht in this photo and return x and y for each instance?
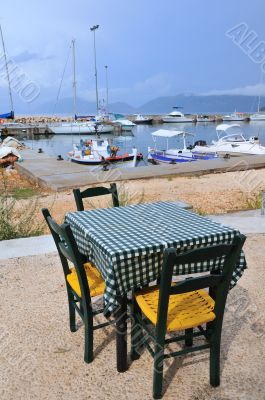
(176, 116)
(231, 141)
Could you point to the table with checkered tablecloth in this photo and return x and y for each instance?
(127, 243)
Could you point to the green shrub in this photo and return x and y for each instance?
(17, 218)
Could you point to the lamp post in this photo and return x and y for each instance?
(93, 29)
(107, 88)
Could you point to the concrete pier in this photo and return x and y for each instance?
(49, 173)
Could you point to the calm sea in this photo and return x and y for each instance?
(141, 137)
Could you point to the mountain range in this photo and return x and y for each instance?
(189, 103)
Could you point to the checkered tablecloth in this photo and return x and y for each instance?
(126, 243)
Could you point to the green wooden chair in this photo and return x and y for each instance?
(83, 281)
(184, 306)
(96, 191)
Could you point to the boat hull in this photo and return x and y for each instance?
(176, 120)
(148, 121)
(80, 130)
(111, 160)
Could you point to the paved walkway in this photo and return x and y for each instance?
(247, 222)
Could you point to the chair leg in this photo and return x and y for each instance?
(215, 360)
(136, 330)
(72, 319)
(158, 372)
(88, 323)
(189, 337)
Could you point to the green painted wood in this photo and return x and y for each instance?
(68, 251)
(94, 192)
(217, 281)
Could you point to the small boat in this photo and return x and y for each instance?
(176, 116)
(100, 152)
(141, 119)
(235, 116)
(231, 141)
(173, 155)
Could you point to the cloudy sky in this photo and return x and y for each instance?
(152, 48)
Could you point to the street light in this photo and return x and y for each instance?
(93, 29)
(107, 88)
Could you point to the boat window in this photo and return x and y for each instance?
(234, 138)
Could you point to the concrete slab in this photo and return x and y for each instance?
(247, 222)
(26, 247)
(60, 175)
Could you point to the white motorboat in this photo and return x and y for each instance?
(235, 116)
(100, 152)
(80, 128)
(231, 141)
(176, 116)
(172, 155)
(141, 119)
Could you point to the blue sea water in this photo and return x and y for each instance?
(141, 137)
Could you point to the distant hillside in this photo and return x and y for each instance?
(194, 104)
(202, 104)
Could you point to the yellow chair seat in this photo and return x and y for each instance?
(95, 282)
(185, 310)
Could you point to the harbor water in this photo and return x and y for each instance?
(141, 138)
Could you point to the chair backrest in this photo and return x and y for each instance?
(68, 252)
(218, 281)
(96, 191)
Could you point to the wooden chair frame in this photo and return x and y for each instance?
(218, 283)
(96, 191)
(68, 251)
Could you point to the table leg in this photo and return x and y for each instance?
(121, 335)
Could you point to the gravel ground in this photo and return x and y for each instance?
(41, 359)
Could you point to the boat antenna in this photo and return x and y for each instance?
(7, 71)
(74, 79)
(93, 29)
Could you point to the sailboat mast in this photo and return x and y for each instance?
(74, 79)
(93, 29)
(7, 71)
(107, 89)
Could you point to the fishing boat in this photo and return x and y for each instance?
(100, 152)
(141, 119)
(176, 116)
(173, 155)
(231, 141)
